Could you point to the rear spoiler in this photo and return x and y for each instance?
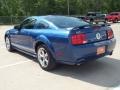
(91, 25)
(101, 25)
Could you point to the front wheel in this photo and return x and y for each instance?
(45, 58)
(8, 44)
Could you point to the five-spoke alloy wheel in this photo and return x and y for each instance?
(45, 58)
(8, 44)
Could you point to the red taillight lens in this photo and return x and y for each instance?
(78, 39)
(110, 34)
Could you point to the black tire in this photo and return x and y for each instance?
(115, 21)
(7, 41)
(51, 61)
(91, 20)
(106, 20)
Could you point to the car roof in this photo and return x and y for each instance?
(94, 12)
(47, 16)
(115, 12)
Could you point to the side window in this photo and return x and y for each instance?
(98, 14)
(42, 25)
(28, 24)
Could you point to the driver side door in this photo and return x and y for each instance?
(23, 37)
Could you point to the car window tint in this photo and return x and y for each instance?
(42, 25)
(91, 14)
(29, 24)
(114, 14)
(66, 22)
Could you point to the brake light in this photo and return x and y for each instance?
(110, 34)
(78, 39)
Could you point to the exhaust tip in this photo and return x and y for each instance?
(111, 53)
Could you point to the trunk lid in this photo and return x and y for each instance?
(92, 33)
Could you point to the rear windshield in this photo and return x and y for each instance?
(91, 14)
(66, 22)
(114, 14)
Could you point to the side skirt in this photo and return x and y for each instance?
(23, 51)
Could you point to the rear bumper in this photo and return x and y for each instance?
(110, 20)
(87, 52)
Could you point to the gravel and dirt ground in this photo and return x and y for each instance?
(21, 72)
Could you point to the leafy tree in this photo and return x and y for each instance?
(45, 7)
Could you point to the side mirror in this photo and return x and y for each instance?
(17, 27)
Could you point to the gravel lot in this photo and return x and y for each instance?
(21, 72)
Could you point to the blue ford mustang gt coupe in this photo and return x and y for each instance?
(60, 39)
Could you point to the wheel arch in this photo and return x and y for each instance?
(7, 34)
(38, 44)
(45, 41)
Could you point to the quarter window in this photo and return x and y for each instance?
(42, 25)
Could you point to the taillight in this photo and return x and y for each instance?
(110, 34)
(78, 39)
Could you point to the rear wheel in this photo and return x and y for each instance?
(115, 21)
(8, 44)
(91, 20)
(45, 58)
(106, 20)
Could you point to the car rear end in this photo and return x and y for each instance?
(88, 43)
(95, 17)
(113, 17)
(110, 18)
(81, 41)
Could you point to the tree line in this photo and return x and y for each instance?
(45, 7)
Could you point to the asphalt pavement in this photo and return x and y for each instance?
(22, 72)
